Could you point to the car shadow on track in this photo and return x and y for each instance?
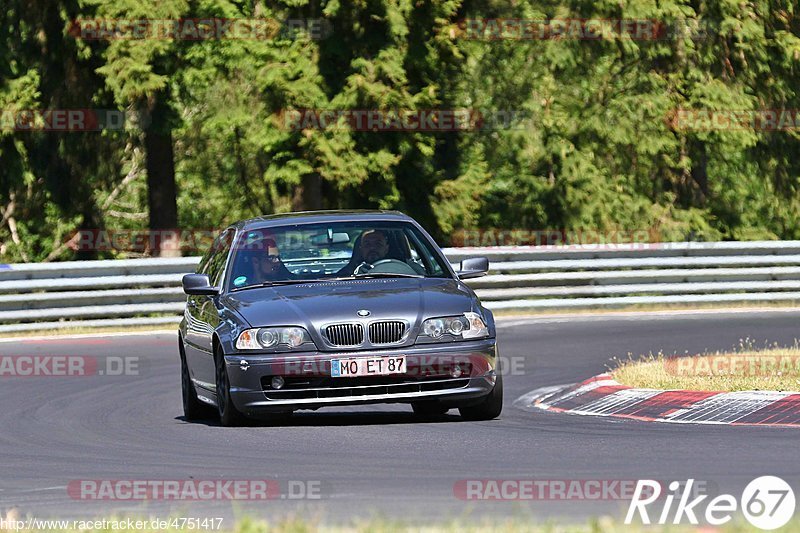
(340, 419)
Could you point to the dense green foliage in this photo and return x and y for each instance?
(595, 148)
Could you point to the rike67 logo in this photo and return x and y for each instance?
(767, 502)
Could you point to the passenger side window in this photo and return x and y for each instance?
(202, 266)
(215, 267)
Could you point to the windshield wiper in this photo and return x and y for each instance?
(386, 275)
(277, 283)
(323, 280)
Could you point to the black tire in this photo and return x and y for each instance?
(490, 407)
(193, 409)
(229, 416)
(429, 408)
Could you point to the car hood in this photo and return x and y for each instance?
(315, 305)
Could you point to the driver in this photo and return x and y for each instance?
(374, 246)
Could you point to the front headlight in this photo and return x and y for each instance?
(277, 339)
(466, 326)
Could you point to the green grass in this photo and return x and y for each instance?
(771, 368)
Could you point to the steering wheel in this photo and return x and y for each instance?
(369, 266)
(363, 268)
(400, 267)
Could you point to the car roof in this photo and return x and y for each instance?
(308, 217)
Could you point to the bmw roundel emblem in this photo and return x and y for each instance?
(363, 312)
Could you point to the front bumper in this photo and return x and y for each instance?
(452, 373)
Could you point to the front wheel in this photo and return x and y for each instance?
(489, 408)
(193, 409)
(228, 414)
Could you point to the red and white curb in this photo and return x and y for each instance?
(603, 396)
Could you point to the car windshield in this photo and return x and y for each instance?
(318, 252)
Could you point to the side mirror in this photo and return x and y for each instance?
(198, 285)
(473, 267)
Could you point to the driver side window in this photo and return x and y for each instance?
(421, 259)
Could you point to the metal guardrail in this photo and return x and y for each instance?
(147, 291)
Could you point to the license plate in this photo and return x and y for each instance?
(368, 366)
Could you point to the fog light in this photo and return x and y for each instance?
(277, 382)
(456, 373)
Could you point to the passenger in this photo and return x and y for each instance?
(267, 265)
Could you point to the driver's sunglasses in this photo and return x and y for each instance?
(271, 258)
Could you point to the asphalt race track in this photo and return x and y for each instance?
(376, 459)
